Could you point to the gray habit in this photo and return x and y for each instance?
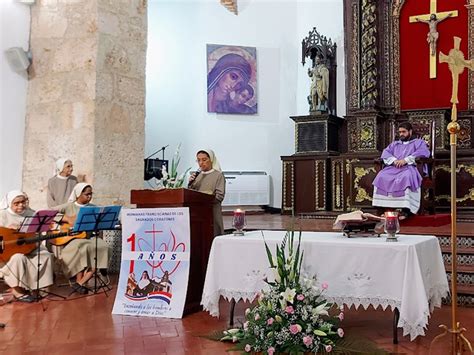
(59, 190)
(213, 182)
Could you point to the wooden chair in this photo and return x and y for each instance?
(425, 166)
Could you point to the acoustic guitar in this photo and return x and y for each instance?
(64, 235)
(13, 242)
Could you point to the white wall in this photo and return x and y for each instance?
(14, 32)
(176, 78)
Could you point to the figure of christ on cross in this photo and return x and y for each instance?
(433, 19)
(433, 35)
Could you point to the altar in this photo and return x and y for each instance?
(408, 275)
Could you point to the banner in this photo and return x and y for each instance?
(155, 262)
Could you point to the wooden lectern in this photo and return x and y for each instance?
(202, 232)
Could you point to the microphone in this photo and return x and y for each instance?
(196, 173)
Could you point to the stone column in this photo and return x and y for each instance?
(86, 96)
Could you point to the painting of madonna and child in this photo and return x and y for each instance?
(231, 79)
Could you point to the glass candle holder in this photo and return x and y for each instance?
(391, 226)
(239, 222)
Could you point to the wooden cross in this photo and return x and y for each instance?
(456, 63)
(432, 19)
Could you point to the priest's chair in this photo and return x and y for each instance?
(425, 166)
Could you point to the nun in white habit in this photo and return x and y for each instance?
(209, 179)
(61, 184)
(78, 255)
(21, 271)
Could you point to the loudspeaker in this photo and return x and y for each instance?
(18, 59)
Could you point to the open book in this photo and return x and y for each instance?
(355, 217)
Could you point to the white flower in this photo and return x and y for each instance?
(277, 276)
(164, 172)
(289, 294)
(320, 310)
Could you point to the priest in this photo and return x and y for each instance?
(398, 185)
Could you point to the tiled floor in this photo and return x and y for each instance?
(85, 325)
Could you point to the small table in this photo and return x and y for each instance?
(408, 276)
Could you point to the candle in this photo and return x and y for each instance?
(239, 219)
(391, 223)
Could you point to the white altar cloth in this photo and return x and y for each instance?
(409, 274)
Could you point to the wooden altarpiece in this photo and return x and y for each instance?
(376, 100)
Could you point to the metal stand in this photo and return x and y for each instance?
(457, 63)
(96, 219)
(39, 223)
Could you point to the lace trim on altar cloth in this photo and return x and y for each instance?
(414, 329)
(436, 294)
(210, 303)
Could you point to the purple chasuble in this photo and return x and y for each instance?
(393, 180)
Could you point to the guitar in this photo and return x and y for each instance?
(65, 235)
(13, 242)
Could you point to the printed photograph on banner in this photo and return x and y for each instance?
(155, 262)
(231, 79)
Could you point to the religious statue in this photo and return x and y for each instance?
(319, 90)
(433, 35)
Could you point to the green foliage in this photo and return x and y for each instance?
(171, 179)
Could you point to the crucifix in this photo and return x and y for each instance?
(457, 64)
(432, 19)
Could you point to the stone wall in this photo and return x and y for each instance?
(86, 96)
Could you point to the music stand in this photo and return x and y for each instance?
(94, 219)
(39, 223)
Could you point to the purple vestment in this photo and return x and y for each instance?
(393, 180)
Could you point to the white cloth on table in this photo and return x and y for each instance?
(408, 275)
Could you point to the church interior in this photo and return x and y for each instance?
(331, 86)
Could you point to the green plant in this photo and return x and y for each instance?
(171, 179)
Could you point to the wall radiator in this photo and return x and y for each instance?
(247, 188)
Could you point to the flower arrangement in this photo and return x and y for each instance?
(171, 179)
(292, 316)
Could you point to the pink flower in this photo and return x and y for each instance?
(340, 332)
(300, 297)
(271, 350)
(341, 308)
(246, 325)
(295, 328)
(328, 348)
(324, 285)
(289, 310)
(248, 348)
(257, 316)
(307, 340)
(341, 316)
(270, 321)
(247, 311)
